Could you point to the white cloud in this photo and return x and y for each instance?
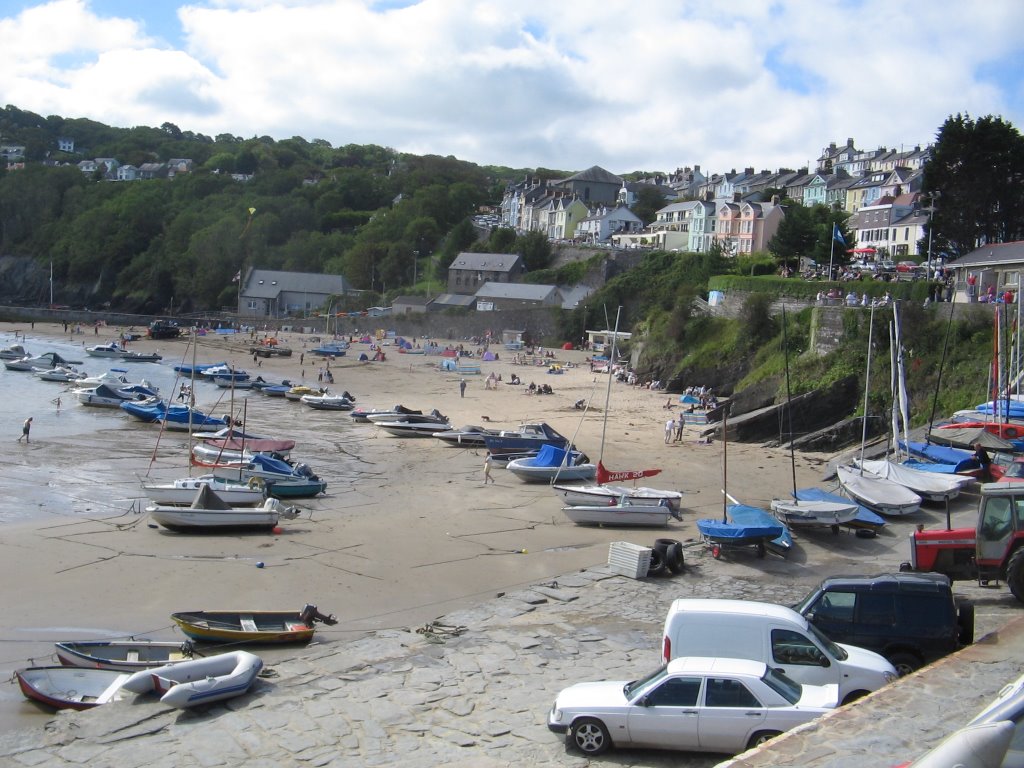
(562, 85)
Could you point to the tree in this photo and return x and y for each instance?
(649, 200)
(535, 249)
(975, 179)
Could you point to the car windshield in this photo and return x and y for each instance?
(788, 689)
(836, 651)
(807, 602)
(630, 688)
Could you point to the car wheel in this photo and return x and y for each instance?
(852, 696)
(905, 663)
(589, 736)
(1015, 574)
(965, 622)
(761, 737)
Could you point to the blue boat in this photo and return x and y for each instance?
(145, 411)
(276, 390)
(198, 370)
(331, 350)
(182, 417)
(281, 478)
(865, 517)
(746, 526)
(962, 460)
(1013, 409)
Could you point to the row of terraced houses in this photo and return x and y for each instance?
(740, 211)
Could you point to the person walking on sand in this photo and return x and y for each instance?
(487, 470)
(680, 423)
(462, 388)
(25, 428)
(669, 428)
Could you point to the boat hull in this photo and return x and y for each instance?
(629, 515)
(245, 626)
(121, 655)
(70, 687)
(877, 493)
(591, 495)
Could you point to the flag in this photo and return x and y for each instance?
(237, 277)
(837, 235)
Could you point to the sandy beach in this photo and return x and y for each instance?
(406, 532)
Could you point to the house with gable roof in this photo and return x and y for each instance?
(499, 296)
(469, 271)
(563, 216)
(594, 185)
(603, 223)
(272, 293)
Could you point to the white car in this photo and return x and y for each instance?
(694, 703)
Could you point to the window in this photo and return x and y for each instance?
(789, 647)
(877, 610)
(835, 606)
(675, 692)
(723, 692)
(995, 521)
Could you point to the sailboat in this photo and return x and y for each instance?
(806, 512)
(742, 525)
(603, 504)
(877, 493)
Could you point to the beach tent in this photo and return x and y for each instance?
(448, 364)
(489, 356)
(567, 345)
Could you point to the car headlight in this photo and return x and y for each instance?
(556, 714)
(890, 676)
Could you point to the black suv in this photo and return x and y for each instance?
(910, 618)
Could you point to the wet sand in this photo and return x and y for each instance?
(406, 532)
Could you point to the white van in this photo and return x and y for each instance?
(775, 635)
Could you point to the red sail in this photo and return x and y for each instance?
(604, 476)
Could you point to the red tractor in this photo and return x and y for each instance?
(994, 551)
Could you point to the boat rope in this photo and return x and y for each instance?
(436, 632)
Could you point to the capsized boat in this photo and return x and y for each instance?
(199, 681)
(122, 655)
(71, 687)
(931, 486)
(553, 463)
(252, 626)
(209, 513)
(621, 512)
(877, 493)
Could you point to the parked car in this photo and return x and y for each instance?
(775, 635)
(1008, 706)
(911, 619)
(907, 266)
(693, 704)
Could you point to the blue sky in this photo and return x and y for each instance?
(650, 85)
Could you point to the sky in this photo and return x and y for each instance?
(638, 85)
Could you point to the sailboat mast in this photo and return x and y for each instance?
(608, 394)
(867, 386)
(789, 400)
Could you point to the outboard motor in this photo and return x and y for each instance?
(309, 614)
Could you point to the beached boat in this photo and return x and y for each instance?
(960, 460)
(814, 512)
(228, 445)
(864, 518)
(61, 374)
(197, 371)
(282, 479)
(337, 349)
(112, 350)
(413, 424)
(183, 491)
(130, 356)
(745, 526)
(122, 655)
(553, 463)
(623, 511)
(931, 486)
(297, 392)
(527, 437)
(71, 687)
(181, 419)
(469, 436)
(43, 362)
(208, 512)
(106, 396)
(596, 495)
(14, 352)
(252, 626)
(199, 681)
(877, 493)
(327, 402)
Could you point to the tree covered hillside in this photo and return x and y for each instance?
(363, 211)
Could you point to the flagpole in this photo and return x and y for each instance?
(831, 253)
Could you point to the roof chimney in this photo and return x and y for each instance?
(736, 197)
(749, 171)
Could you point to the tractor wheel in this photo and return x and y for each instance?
(1015, 574)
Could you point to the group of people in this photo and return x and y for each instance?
(674, 427)
(542, 389)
